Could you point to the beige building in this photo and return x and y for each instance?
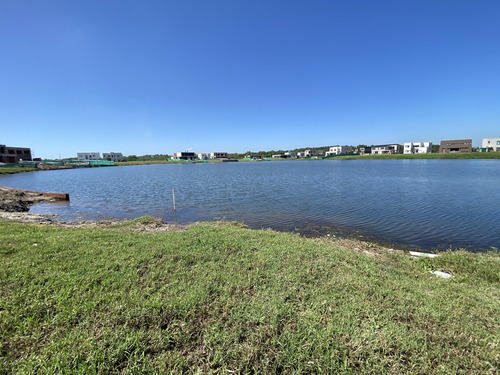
(456, 145)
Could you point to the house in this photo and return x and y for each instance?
(88, 156)
(490, 144)
(14, 154)
(336, 150)
(301, 154)
(277, 156)
(184, 155)
(288, 155)
(417, 147)
(113, 156)
(387, 149)
(457, 145)
(254, 157)
(365, 151)
(312, 152)
(218, 155)
(202, 156)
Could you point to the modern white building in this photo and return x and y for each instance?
(218, 155)
(277, 156)
(336, 150)
(387, 149)
(289, 155)
(301, 154)
(88, 156)
(113, 156)
(202, 156)
(491, 144)
(365, 151)
(312, 152)
(184, 155)
(417, 147)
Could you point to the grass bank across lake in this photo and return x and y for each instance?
(219, 298)
(11, 170)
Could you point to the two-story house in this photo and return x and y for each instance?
(417, 147)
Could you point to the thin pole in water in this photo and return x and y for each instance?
(173, 197)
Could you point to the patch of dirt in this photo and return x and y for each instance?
(13, 200)
(157, 225)
(26, 217)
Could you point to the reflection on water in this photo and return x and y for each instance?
(426, 203)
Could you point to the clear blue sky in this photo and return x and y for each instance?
(146, 77)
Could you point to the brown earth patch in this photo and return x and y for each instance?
(14, 200)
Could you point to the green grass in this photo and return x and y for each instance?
(458, 155)
(219, 298)
(11, 170)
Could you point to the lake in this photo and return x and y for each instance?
(431, 204)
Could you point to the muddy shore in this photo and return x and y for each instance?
(15, 205)
(14, 200)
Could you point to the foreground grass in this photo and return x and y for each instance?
(457, 155)
(219, 298)
(11, 170)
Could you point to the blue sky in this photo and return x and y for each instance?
(146, 77)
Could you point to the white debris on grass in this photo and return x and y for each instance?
(444, 275)
(419, 254)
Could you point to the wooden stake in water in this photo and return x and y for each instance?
(173, 197)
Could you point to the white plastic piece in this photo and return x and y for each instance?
(444, 275)
(419, 254)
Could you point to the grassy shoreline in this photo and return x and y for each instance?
(12, 170)
(220, 298)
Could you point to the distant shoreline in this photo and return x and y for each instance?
(431, 156)
(455, 156)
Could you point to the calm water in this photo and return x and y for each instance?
(425, 203)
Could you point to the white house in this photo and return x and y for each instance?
(301, 154)
(386, 149)
(336, 150)
(88, 156)
(202, 156)
(491, 144)
(184, 155)
(289, 155)
(417, 147)
(218, 155)
(312, 152)
(113, 156)
(365, 151)
(277, 156)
